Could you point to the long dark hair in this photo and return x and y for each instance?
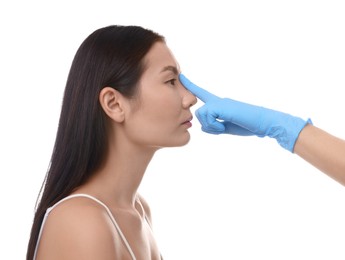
(110, 56)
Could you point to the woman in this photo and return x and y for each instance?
(123, 101)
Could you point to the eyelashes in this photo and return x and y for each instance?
(171, 82)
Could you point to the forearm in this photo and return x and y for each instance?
(323, 150)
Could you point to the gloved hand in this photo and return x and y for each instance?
(227, 116)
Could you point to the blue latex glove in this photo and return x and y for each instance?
(227, 116)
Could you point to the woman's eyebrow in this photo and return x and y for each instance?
(170, 68)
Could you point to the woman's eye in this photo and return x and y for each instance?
(171, 82)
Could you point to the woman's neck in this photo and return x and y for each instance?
(118, 180)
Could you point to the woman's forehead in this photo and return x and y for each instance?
(161, 58)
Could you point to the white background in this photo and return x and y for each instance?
(219, 197)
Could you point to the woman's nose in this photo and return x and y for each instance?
(189, 99)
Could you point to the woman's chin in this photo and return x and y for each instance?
(183, 141)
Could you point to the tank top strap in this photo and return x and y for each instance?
(143, 210)
(117, 227)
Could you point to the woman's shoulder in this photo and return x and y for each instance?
(78, 228)
(79, 209)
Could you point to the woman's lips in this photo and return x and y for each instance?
(188, 122)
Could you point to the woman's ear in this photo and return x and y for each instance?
(112, 103)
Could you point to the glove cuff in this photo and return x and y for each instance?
(295, 126)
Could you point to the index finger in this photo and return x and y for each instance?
(201, 93)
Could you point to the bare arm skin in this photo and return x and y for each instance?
(323, 150)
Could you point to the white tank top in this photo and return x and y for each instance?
(99, 202)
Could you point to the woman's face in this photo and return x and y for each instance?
(161, 117)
